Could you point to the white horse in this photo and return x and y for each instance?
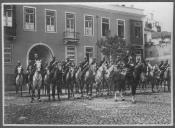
(37, 80)
(99, 79)
(89, 79)
(19, 79)
(107, 77)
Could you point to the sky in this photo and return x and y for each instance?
(163, 12)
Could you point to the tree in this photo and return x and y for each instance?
(112, 46)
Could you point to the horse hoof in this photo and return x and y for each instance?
(39, 100)
(31, 101)
(123, 99)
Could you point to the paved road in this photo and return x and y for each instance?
(151, 108)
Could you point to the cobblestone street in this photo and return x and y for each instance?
(150, 108)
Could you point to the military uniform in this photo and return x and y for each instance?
(16, 71)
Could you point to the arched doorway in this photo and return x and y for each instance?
(43, 50)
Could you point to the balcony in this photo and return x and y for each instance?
(10, 32)
(71, 37)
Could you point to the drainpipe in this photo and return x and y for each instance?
(97, 58)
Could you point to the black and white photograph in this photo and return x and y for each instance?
(87, 63)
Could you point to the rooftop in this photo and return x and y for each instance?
(115, 7)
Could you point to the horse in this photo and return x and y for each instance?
(167, 78)
(156, 77)
(78, 80)
(99, 79)
(108, 78)
(143, 77)
(19, 79)
(56, 80)
(47, 82)
(37, 80)
(132, 78)
(89, 79)
(118, 79)
(68, 81)
(29, 78)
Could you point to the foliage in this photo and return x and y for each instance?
(112, 46)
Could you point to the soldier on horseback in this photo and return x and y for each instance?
(51, 65)
(163, 67)
(130, 77)
(16, 69)
(30, 72)
(85, 65)
(148, 68)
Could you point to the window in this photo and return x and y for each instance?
(8, 15)
(121, 28)
(50, 21)
(70, 22)
(88, 30)
(7, 53)
(70, 25)
(137, 32)
(105, 26)
(89, 51)
(29, 18)
(71, 53)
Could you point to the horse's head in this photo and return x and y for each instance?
(19, 69)
(38, 65)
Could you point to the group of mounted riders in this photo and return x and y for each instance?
(114, 75)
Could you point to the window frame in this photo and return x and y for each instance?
(35, 25)
(87, 46)
(5, 16)
(124, 27)
(66, 55)
(66, 20)
(92, 25)
(102, 25)
(8, 53)
(54, 19)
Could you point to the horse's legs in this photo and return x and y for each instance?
(21, 88)
(58, 89)
(115, 95)
(68, 86)
(32, 95)
(48, 90)
(152, 84)
(133, 90)
(53, 90)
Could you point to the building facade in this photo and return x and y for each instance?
(65, 31)
(159, 48)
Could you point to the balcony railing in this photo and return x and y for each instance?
(71, 37)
